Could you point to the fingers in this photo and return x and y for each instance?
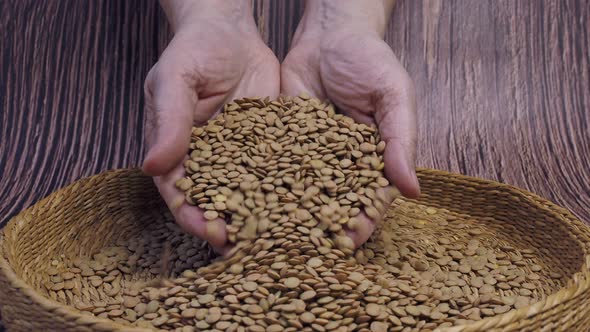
(190, 218)
(170, 102)
(396, 118)
(362, 231)
(364, 226)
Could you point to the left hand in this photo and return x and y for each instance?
(356, 70)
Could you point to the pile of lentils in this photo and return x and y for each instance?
(289, 176)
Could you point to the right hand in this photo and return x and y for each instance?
(340, 55)
(216, 56)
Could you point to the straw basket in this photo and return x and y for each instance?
(96, 211)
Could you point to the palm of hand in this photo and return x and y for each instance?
(348, 70)
(234, 67)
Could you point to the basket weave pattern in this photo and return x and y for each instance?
(96, 211)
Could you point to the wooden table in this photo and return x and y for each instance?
(503, 89)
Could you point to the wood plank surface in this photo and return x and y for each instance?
(503, 89)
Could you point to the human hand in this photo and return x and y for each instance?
(338, 53)
(216, 55)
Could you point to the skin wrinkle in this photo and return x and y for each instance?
(182, 13)
(371, 15)
(324, 21)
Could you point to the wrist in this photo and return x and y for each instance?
(328, 16)
(181, 13)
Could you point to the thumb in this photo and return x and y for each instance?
(170, 101)
(396, 117)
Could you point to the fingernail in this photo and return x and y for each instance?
(353, 224)
(416, 182)
(214, 232)
(177, 202)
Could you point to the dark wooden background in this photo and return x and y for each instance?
(503, 89)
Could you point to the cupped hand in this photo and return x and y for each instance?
(358, 72)
(211, 60)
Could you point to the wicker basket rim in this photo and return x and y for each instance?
(579, 283)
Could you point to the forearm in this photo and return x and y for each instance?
(371, 15)
(181, 12)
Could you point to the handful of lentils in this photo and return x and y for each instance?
(288, 168)
(289, 176)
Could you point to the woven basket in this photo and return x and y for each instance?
(96, 211)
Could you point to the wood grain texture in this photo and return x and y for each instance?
(503, 89)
